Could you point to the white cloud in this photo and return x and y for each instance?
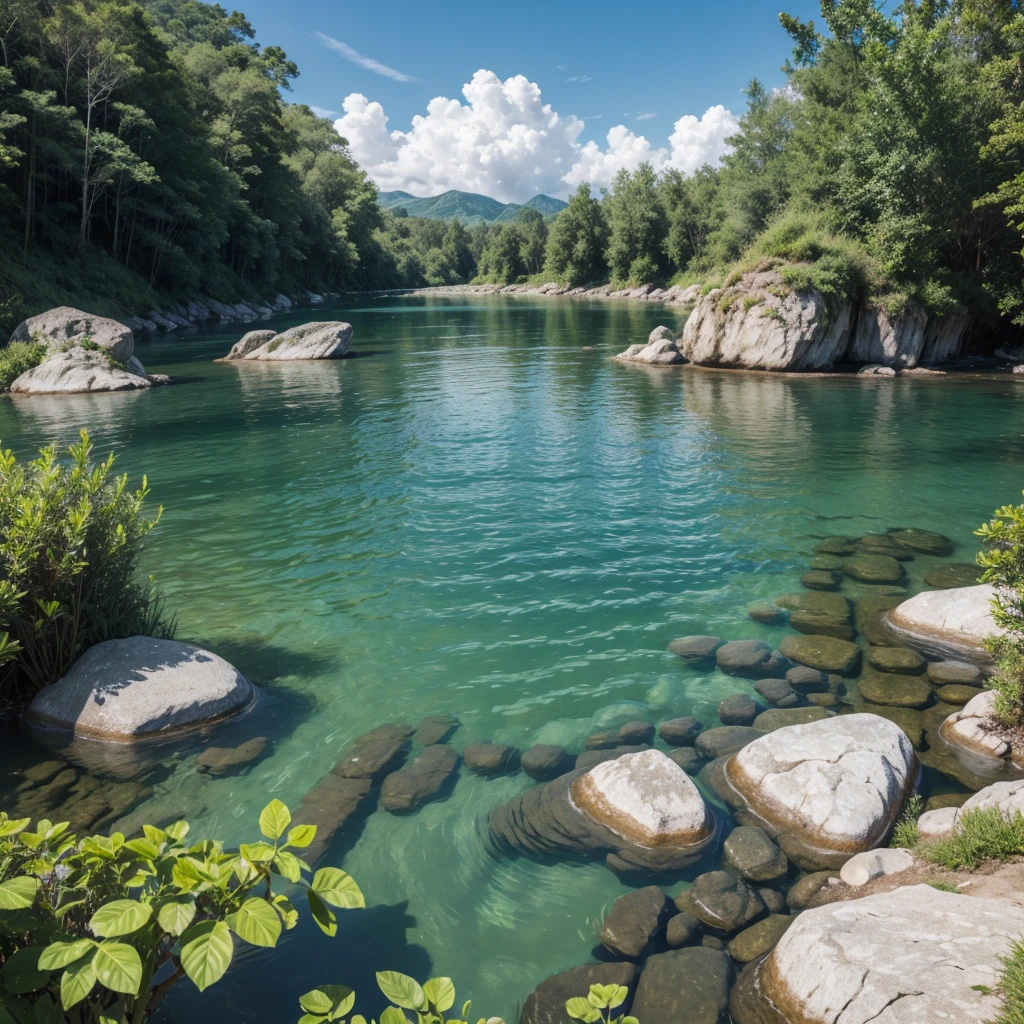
(644, 117)
(580, 78)
(357, 58)
(505, 142)
(323, 111)
(563, 67)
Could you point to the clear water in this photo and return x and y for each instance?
(483, 517)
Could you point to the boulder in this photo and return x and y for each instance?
(317, 340)
(873, 568)
(435, 729)
(696, 648)
(544, 761)
(954, 574)
(889, 339)
(720, 900)
(490, 759)
(759, 938)
(725, 740)
(975, 727)
(876, 370)
(738, 709)
(546, 1004)
(77, 370)
(826, 653)
(680, 732)
(681, 928)
(425, 778)
(139, 687)
(751, 854)
(641, 812)
(227, 760)
(902, 660)
(634, 921)
(898, 691)
(249, 343)
(751, 658)
(657, 352)
(824, 790)
(862, 867)
(1007, 796)
(948, 623)
(761, 323)
(684, 986)
(65, 325)
(962, 673)
(927, 542)
(936, 958)
(779, 718)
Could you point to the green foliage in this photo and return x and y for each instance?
(638, 227)
(943, 886)
(16, 358)
(981, 834)
(71, 535)
(577, 240)
(501, 261)
(87, 925)
(1011, 987)
(598, 1005)
(905, 832)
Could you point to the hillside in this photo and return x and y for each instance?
(468, 207)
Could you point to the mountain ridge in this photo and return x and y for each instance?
(468, 207)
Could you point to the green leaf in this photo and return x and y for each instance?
(274, 819)
(322, 914)
(12, 826)
(78, 980)
(145, 848)
(287, 864)
(18, 893)
(440, 992)
(316, 1001)
(289, 915)
(118, 967)
(301, 836)
(121, 917)
(178, 830)
(154, 834)
(402, 990)
(332, 1001)
(618, 997)
(580, 1008)
(357, 1018)
(60, 954)
(176, 916)
(256, 922)
(206, 952)
(21, 972)
(629, 1020)
(392, 1015)
(339, 889)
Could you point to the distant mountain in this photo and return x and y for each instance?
(467, 207)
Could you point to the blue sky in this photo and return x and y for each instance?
(605, 64)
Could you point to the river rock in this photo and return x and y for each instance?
(435, 729)
(65, 325)
(801, 893)
(660, 351)
(546, 1004)
(318, 340)
(962, 673)
(924, 541)
(720, 900)
(819, 579)
(607, 739)
(777, 692)
(738, 709)
(760, 323)
(779, 718)
(636, 732)
(830, 563)
(889, 339)
(868, 568)
(688, 758)
(836, 546)
(895, 690)
(805, 679)
(824, 700)
(490, 759)
(592, 758)
(684, 986)
(826, 653)
(680, 732)
(759, 938)
(681, 928)
(937, 958)
(634, 921)
(743, 657)
(824, 790)
(895, 659)
(953, 693)
(226, 760)
(641, 812)
(424, 779)
(953, 574)
(821, 613)
(376, 753)
(77, 370)
(727, 739)
(975, 727)
(249, 343)
(862, 867)
(696, 648)
(869, 619)
(883, 544)
(132, 689)
(544, 761)
(751, 853)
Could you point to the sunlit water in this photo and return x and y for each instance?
(481, 516)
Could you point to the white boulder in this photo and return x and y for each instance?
(77, 370)
(139, 687)
(862, 867)
(915, 955)
(975, 726)
(318, 340)
(659, 351)
(1007, 796)
(938, 823)
(249, 343)
(68, 326)
(944, 336)
(889, 339)
(948, 623)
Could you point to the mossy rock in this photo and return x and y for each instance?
(909, 720)
(869, 568)
(868, 618)
(768, 614)
(883, 544)
(924, 541)
(824, 625)
(956, 693)
(817, 579)
(836, 546)
(828, 653)
(895, 690)
(779, 718)
(759, 938)
(954, 574)
(896, 659)
(824, 700)
(826, 563)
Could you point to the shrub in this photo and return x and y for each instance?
(16, 358)
(905, 833)
(71, 535)
(982, 834)
(643, 270)
(88, 926)
(1011, 987)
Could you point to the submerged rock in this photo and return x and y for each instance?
(759, 938)
(960, 672)
(926, 542)
(139, 687)
(751, 658)
(725, 740)
(77, 370)
(65, 325)
(779, 718)
(490, 759)
(720, 900)
(680, 732)
(826, 653)
(545, 761)
(895, 690)
(634, 921)
(901, 660)
(225, 760)
(435, 729)
(425, 778)
(873, 568)
(954, 574)
(696, 648)
(948, 623)
(546, 1004)
(752, 855)
(684, 986)
(738, 709)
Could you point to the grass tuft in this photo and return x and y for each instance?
(1012, 987)
(980, 835)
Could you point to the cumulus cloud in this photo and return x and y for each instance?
(505, 142)
(356, 57)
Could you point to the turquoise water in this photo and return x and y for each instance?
(480, 516)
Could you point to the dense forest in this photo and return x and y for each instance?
(147, 150)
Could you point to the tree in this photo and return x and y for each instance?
(577, 240)
(638, 227)
(502, 258)
(535, 237)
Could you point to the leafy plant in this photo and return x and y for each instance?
(598, 1005)
(1011, 987)
(981, 834)
(70, 539)
(100, 929)
(905, 833)
(16, 358)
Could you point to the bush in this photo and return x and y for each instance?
(905, 834)
(16, 358)
(71, 535)
(88, 926)
(980, 835)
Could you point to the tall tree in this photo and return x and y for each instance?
(577, 240)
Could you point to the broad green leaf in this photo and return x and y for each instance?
(440, 992)
(60, 954)
(18, 893)
(144, 848)
(118, 967)
(274, 819)
(154, 834)
(316, 1001)
(12, 826)
(618, 997)
(579, 1008)
(339, 889)
(342, 999)
(301, 836)
(121, 917)
(287, 864)
(629, 1020)
(392, 1015)
(178, 830)
(257, 853)
(402, 990)
(357, 1019)
(312, 1018)
(78, 980)
(176, 916)
(289, 915)
(206, 952)
(21, 972)
(322, 914)
(256, 922)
